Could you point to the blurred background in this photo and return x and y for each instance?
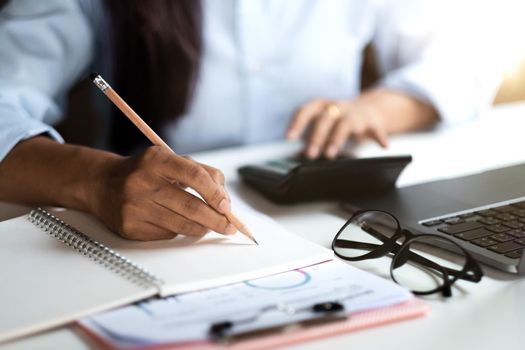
(497, 26)
(502, 23)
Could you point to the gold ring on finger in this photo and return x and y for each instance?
(333, 110)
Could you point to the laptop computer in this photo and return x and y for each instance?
(484, 213)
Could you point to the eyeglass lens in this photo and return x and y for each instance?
(417, 267)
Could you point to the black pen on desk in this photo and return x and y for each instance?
(153, 137)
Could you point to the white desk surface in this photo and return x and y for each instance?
(487, 315)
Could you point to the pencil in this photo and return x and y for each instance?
(153, 137)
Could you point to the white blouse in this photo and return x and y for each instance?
(262, 60)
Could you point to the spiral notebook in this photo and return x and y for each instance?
(59, 266)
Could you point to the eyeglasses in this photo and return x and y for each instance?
(371, 234)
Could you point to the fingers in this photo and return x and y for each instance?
(357, 127)
(166, 213)
(302, 118)
(340, 134)
(208, 182)
(321, 131)
(144, 231)
(380, 135)
(215, 173)
(333, 123)
(144, 197)
(217, 176)
(182, 203)
(371, 130)
(175, 223)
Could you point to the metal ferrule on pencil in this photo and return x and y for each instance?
(100, 82)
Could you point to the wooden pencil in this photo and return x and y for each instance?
(153, 137)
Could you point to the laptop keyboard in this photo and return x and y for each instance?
(500, 229)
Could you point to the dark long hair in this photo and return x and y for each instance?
(157, 46)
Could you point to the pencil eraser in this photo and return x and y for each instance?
(93, 75)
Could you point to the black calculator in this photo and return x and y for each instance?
(298, 179)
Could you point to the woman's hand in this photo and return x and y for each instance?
(140, 197)
(143, 197)
(373, 115)
(332, 123)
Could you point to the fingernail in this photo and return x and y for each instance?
(313, 151)
(230, 229)
(331, 151)
(224, 206)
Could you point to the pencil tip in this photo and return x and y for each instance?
(93, 75)
(255, 241)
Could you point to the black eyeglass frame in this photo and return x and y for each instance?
(401, 254)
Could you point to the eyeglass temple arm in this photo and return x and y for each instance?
(474, 277)
(376, 234)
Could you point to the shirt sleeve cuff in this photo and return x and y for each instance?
(25, 113)
(14, 133)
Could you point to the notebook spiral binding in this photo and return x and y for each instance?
(94, 250)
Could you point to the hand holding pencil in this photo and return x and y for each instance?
(158, 207)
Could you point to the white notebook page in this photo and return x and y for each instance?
(45, 283)
(188, 264)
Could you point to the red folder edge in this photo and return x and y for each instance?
(361, 320)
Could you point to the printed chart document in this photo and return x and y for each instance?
(261, 303)
(64, 265)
